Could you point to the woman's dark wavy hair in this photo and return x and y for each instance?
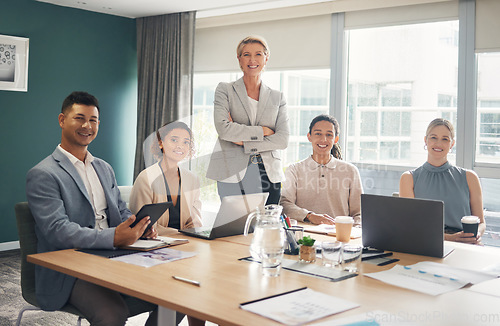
(336, 152)
(163, 132)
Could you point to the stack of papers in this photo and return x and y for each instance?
(154, 257)
(430, 278)
(298, 307)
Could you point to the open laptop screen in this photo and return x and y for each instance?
(231, 217)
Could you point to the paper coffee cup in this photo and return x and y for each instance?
(470, 224)
(343, 226)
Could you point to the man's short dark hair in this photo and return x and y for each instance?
(83, 98)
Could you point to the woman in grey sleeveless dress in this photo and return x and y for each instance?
(458, 188)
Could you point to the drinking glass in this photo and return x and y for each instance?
(330, 253)
(351, 257)
(271, 261)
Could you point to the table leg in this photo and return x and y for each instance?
(166, 317)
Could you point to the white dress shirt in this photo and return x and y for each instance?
(253, 110)
(93, 186)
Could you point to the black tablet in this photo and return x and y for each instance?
(154, 211)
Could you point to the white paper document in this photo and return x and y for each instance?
(492, 269)
(491, 287)
(473, 277)
(298, 307)
(413, 279)
(370, 318)
(154, 257)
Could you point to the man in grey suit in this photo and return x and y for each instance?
(76, 203)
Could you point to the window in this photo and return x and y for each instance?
(488, 108)
(491, 189)
(307, 95)
(204, 132)
(369, 123)
(395, 92)
(447, 100)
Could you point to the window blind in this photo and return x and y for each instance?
(487, 26)
(300, 42)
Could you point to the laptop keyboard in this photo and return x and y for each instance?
(205, 233)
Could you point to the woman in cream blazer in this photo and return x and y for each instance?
(166, 181)
(251, 120)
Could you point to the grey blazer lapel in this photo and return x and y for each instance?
(112, 212)
(241, 92)
(67, 166)
(264, 94)
(102, 173)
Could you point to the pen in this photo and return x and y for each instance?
(186, 280)
(283, 221)
(287, 220)
(387, 262)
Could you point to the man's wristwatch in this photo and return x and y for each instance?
(306, 219)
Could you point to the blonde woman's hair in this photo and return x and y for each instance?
(441, 122)
(252, 39)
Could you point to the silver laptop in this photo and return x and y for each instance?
(231, 218)
(409, 225)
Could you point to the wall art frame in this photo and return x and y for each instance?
(14, 53)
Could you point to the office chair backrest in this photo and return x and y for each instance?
(125, 193)
(28, 244)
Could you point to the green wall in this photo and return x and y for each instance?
(69, 50)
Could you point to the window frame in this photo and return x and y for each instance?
(466, 93)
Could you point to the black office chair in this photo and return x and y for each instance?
(28, 244)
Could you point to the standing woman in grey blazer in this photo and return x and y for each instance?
(252, 123)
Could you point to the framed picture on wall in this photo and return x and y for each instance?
(14, 63)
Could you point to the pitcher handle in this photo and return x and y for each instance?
(247, 223)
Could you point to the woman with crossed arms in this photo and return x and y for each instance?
(252, 124)
(438, 179)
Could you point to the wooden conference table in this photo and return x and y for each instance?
(226, 282)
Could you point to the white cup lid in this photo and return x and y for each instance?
(470, 219)
(344, 219)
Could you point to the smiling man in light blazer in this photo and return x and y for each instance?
(251, 120)
(76, 203)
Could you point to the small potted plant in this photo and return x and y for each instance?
(307, 251)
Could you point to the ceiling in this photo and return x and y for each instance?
(204, 8)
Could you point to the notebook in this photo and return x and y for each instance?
(231, 218)
(138, 246)
(409, 225)
(159, 242)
